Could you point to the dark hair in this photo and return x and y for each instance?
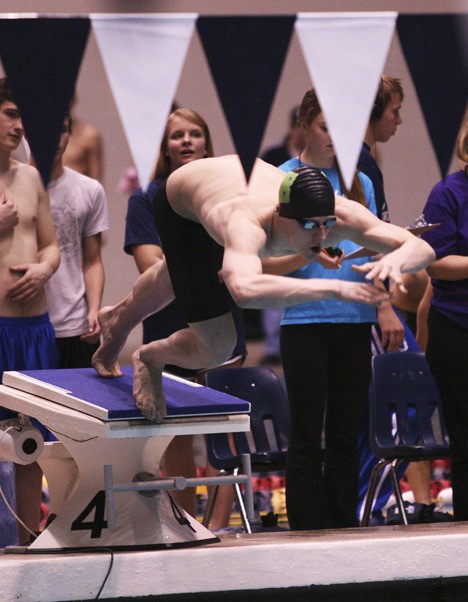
(387, 86)
(462, 141)
(69, 119)
(5, 91)
(308, 111)
(162, 169)
(306, 192)
(293, 115)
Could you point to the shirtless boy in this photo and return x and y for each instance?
(29, 255)
(84, 148)
(208, 202)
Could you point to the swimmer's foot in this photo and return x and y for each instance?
(148, 390)
(105, 360)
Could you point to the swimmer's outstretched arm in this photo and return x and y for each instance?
(251, 288)
(403, 251)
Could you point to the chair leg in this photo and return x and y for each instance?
(397, 491)
(210, 502)
(241, 504)
(245, 506)
(378, 468)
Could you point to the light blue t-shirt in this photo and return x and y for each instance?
(332, 310)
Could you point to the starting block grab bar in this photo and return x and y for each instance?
(148, 486)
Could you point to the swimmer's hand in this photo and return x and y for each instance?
(331, 258)
(385, 268)
(362, 292)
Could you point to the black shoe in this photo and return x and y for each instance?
(415, 513)
(268, 524)
(441, 517)
(377, 519)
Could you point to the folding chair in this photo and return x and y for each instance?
(406, 422)
(269, 428)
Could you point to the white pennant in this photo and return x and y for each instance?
(345, 54)
(143, 56)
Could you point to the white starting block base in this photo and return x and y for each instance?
(142, 522)
(74, 469)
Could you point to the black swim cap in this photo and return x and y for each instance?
(306, 192)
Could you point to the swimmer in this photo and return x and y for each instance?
(215, 230)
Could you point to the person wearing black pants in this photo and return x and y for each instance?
(447, 344)
(447, 355)
(325, 366)
(326, 353)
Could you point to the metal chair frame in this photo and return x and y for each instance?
(406, 420)
(269, 429)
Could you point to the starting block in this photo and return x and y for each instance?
(102, 470)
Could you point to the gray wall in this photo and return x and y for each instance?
(408, 161)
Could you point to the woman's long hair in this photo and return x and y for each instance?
(163, 168)
(308, 111)
(462, 141)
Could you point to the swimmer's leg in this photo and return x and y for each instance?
(151, 292)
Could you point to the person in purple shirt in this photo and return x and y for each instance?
(447, 345)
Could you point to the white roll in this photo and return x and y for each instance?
(21, 444)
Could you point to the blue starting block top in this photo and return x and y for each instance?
(111, 399)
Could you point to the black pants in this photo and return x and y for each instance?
(327, 371)
(75, 353)
(447, 354)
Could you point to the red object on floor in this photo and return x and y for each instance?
(437, 486)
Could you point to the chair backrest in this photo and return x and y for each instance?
(406, 418)
(269, 418)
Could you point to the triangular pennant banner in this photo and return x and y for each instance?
(345, 54)
(246, 56)
(41, 57)
(143, 56)
(436, 51)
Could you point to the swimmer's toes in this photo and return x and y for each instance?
(148, 412)
(103, 372)
(152, 412)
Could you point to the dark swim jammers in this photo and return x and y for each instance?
(193, 260)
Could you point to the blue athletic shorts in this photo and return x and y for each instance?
(27, 344)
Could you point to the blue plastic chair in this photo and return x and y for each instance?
(406, 422)
(267, 440)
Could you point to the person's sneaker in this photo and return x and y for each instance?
(441, 517)
(415, 513)
(228, 531)
(377, 519)
(267, 523)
